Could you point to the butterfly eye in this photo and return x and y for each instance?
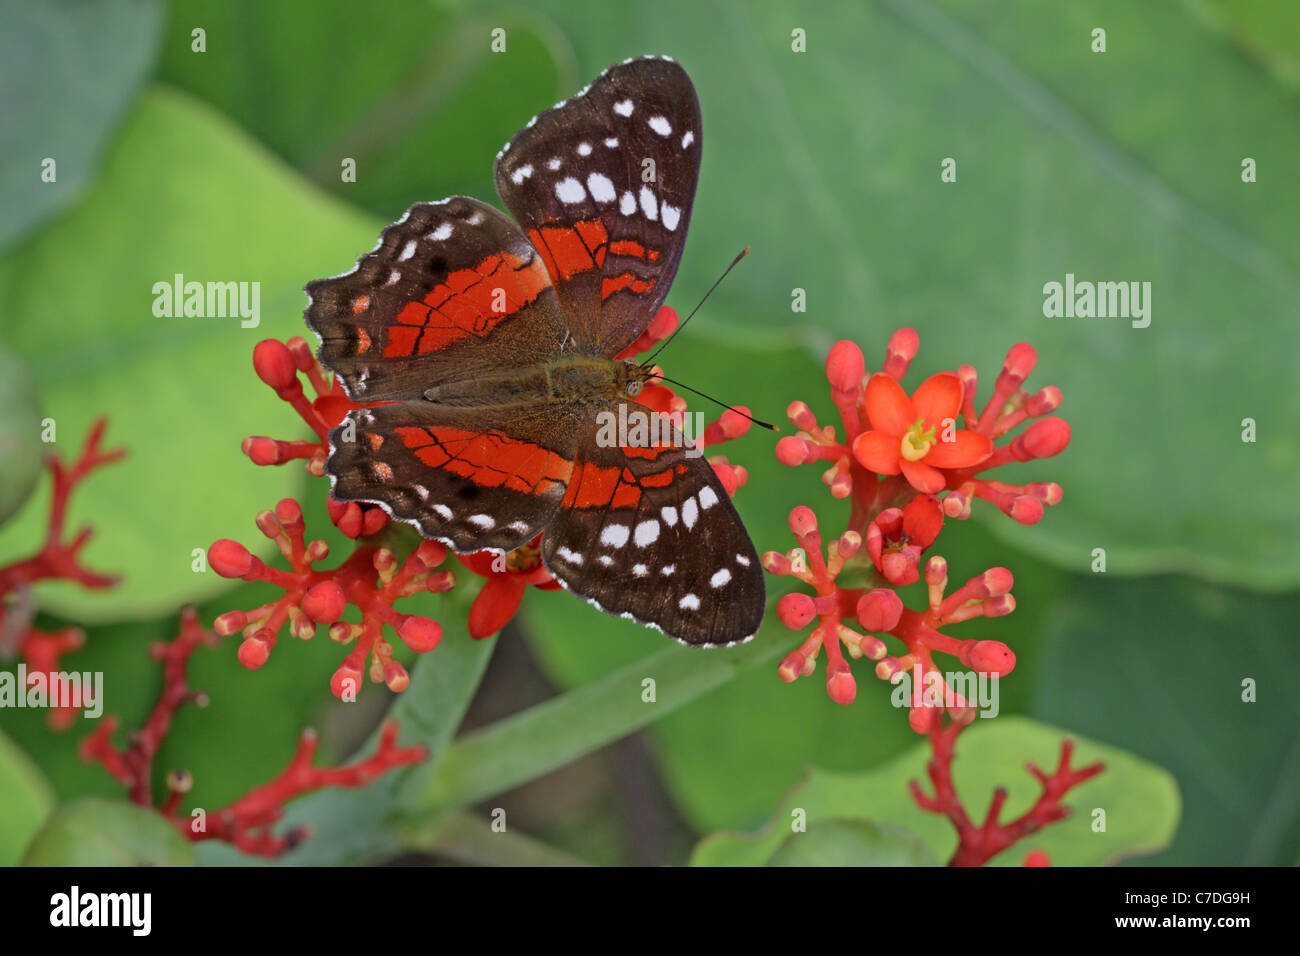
(634, 388)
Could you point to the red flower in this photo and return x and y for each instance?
(898, 537)
(1008, 407)
(371, 579)
(281, 365)
(508, 576)
(918, 436)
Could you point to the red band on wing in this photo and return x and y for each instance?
(596, 486)
(488, 458)
(572, 250)
(468, 302)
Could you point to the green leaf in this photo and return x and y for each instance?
(1093, 164)
(549, 735)
(20, 436)
(182, 192)
(97, 832)
(27, 798)
(413, 119)
(1172, 657)
(67, 74)
(852, 843)
(1140, 800)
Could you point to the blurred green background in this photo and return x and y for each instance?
(1122, 165)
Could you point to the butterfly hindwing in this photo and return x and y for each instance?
(650, 533)
(603, 186)
(459, 478)
(450, 292)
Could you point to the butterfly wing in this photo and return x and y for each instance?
(650, 533)
(470, 479)
(452, 291)
(603, 185)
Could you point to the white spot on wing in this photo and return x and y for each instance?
(688, 139)
(660, 125)
(443, 512)
(408, 250)
(584, 149)
(669, 514)
(483, 521)
(442, 233)
(522, 173)
(602, 190)
(627, 205)
(569, 190)
(572, 557)
(520, 526)
(689, 602)
(649, 204)
(672, 215)
(690, 512)
(720, 577)
(640, 570)
(667, 570)
(612, 142)
(742, 560)
(614, 535)
(647, 533)
(707, 498)
(623, 108)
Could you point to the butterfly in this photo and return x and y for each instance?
(484, 352)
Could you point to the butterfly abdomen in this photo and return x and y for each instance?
(579, 379)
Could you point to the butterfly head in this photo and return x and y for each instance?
(633, 377)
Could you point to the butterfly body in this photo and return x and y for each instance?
(582, 379)
(486, 354)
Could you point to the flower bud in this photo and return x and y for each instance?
(324, 602)
(796, 610)
(420, 634)
(880, 610)
(230, 559)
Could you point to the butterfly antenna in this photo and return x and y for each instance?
(730, 408)
(664, 344)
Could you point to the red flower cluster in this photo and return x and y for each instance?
(371, 579)
(41, 651)
(906, 463)
(247, 823)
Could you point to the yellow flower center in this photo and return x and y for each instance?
(916, 441)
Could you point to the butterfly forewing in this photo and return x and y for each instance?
(452, 291)
(603, 185)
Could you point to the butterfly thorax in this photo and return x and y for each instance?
(575, 379)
